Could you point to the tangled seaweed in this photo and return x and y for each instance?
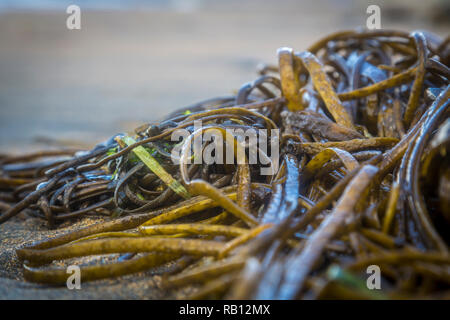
(363, 179)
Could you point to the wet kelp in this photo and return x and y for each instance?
(362, 180)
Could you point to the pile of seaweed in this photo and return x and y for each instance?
(362, 180)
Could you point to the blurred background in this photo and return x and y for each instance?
(133, 61)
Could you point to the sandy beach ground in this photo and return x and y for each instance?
(132, 66)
